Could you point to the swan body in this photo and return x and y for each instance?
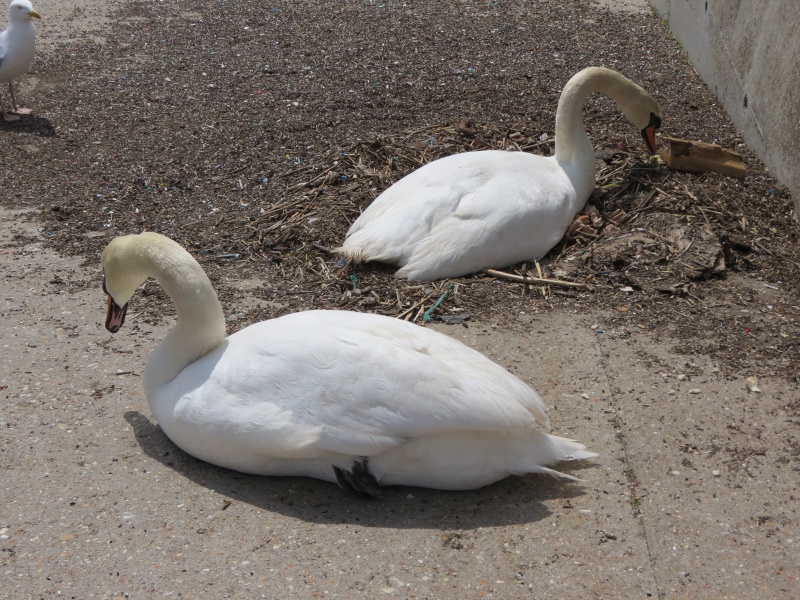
(361, 399)
(492, 208)
(17, 47)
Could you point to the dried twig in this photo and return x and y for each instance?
(406, 314)
(536, 280)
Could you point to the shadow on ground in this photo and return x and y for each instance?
(30, 125)
(515, 500)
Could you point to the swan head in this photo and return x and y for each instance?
(642, 110)
(121, 278)
(22, 11)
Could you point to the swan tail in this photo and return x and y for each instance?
(352, 254)
(556, 474)
(555, 450)
(567, 449)
(359, 248)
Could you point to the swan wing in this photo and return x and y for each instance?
(465, 212)
(321, 382)
(505, 221)
(405, 213)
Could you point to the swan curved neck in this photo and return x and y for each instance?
(571, 139)
(572, 144)
(200, 325)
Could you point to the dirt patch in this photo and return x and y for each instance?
(256, 135)
(624, 6)
(67, 23)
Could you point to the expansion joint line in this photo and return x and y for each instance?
(629, 472)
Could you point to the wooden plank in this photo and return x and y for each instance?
(688, 155)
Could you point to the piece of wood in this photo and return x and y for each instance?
(688, 155)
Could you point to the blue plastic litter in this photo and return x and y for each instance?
(426, 316)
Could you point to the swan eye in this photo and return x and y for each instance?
(655, 121)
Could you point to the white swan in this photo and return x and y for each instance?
(469, 211)
(361, 399)
(17, 49)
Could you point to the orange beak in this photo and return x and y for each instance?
(649, 133)
(115, 316)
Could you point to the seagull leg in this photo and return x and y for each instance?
(16, 110)
(7, 116)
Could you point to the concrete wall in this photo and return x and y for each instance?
(748, 52)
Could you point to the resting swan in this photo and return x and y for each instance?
(361, 399)
(469, 211)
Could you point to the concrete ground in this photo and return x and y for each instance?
(693, 495)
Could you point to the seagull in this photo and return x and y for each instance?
(17, 48)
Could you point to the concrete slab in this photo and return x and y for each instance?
(693, 494)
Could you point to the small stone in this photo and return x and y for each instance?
(681, 377)
(715, 472)
(752, 384)
(694, 391)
